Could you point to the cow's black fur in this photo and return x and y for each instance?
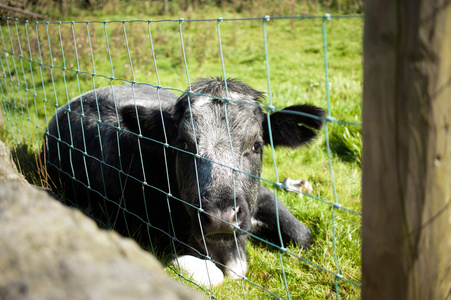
(132, 145)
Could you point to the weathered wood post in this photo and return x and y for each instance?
(406, 252)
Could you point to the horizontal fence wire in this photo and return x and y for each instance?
(46, 64)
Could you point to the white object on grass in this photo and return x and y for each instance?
(298, 186)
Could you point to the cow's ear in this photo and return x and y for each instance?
(151, 123)
(293, 126)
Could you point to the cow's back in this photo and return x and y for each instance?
(94, 162)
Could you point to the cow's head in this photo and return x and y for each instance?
(221, 131)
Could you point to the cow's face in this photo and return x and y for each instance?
(219, 162)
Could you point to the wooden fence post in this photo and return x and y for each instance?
(406, 223)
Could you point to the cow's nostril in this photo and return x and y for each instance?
(222, 221)
(237, 209)
(237, 215)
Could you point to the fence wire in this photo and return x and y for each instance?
(46, 64)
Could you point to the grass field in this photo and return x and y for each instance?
(59, 63)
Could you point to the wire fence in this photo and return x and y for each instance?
(46, 64)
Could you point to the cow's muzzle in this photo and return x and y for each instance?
(222, 223)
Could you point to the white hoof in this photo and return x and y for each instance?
(202, 271)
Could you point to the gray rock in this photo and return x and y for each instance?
(50, 251)
(8, 169)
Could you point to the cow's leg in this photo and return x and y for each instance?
(264, 221)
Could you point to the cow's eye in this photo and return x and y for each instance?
(257, 148)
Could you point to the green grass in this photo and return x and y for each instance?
(296, 68)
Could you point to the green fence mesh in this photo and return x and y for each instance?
(45, 64)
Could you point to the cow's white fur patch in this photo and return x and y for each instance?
(201, 101)
(256, 223)
(202, 271)
(236, 268)
(205, 100)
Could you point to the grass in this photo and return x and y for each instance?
(296, 68)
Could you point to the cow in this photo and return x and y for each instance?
(179, 173)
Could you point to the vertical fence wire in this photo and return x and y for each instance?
(326, 129)
(15, 104)
(266, 19)
(196, 156)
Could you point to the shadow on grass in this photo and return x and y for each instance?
(346, 143)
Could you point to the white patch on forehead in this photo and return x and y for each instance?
(201, 101)
(205, 100)
(238, 97)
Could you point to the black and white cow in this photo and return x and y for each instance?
(188, 166)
